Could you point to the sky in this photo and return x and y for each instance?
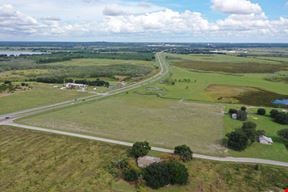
(257, 21)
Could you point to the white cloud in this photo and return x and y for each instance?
(134, 21)
(13, 21)
(236, 6)
(166, 21)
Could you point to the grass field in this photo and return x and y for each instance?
(39, 95)
(276, 151)
(196, 88)
(133, 117)
(230, 63)
(33, 161)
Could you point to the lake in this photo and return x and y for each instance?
(18, 53)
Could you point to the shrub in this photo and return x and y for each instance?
(160, 174)
(140, 149)
(232, 111)
(261, 111)
(237, 140)
(273, 113)
(281, 118)
(283, 133)
(121, 163)
(184, 152)
(130, 175)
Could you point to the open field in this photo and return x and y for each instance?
(229, 63)
(39, 95)
(192, 85)
(132, 117)
(33, 161)
(76, 68)
(276, 151)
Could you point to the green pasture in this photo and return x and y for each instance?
(39, 95)
(195, 89)
(132, 117)
(276, 151)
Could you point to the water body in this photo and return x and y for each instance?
(18, 53)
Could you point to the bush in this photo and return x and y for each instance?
(261, 111)
(282, 118)
(232, 111)
(283, 133)
(160, 174)
(140, 149)
(130, 175)
(184, 152)
(273, 113)
(237, 140)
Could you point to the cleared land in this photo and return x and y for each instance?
(131, 117)
(40, 94)
(34, 161)
(230, 63)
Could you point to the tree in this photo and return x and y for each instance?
(184, 152)
(140, 149)
(243, 108)
(178, 173)
(260, 133)
(237, 140)
(249, 128)
(283, 133)
(242, 115)
(167, 172)
(233, 111)
(261, 111)
(273, 113)
(281, 118)
(157, 175)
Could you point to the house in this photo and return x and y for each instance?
(265, 140)
(147, 160)
(75, 86)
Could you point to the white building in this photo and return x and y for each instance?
(265, 140)
(75, 86)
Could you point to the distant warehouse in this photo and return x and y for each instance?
(75, 86)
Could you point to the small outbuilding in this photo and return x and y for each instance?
(265, 140)
(75, 86)
(147, 160)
